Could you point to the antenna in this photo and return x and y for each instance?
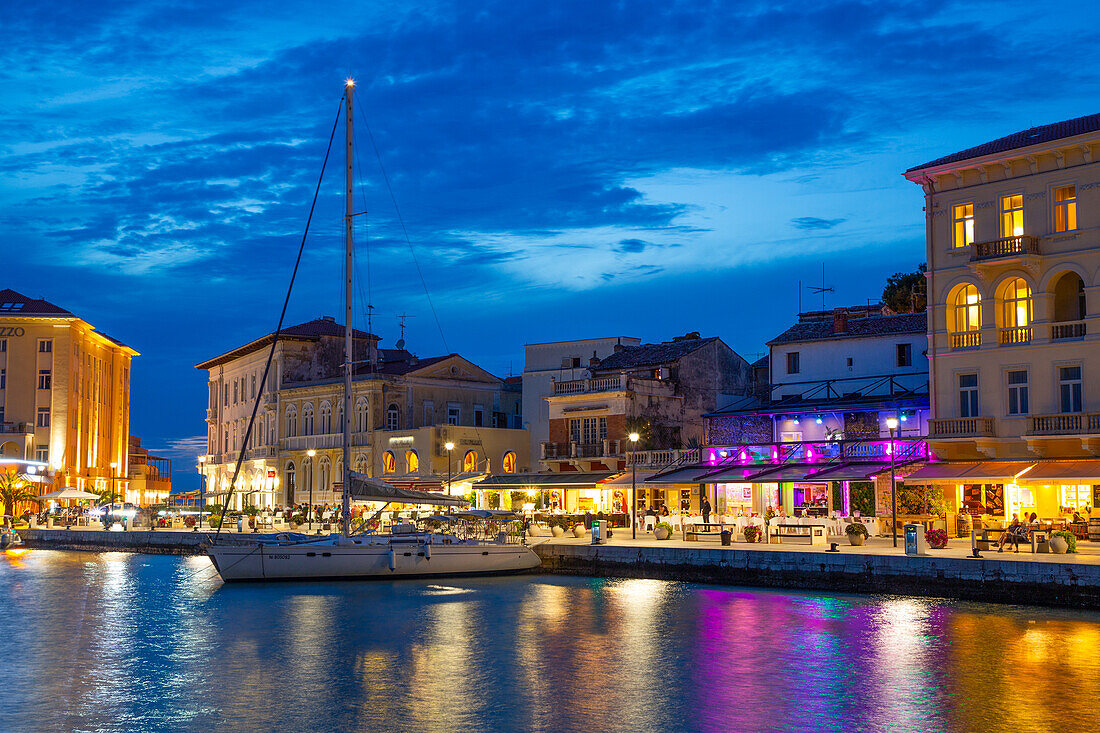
(818, 290)
(401, 321)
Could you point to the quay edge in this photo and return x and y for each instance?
(161, 542)
(989, 579)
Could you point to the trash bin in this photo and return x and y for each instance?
(915, 543)
(727, 537)
(599, 531)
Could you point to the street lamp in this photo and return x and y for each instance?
(309, 513)
(202, 489)
(450, 447)
(892, 424)
(633, 486)
(111, 510)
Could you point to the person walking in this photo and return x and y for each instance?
(706, 510)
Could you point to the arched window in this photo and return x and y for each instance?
(360, 463)
(469, 461)
(389, 465)
(1015, 312)
(290, 483)
(307, 474)
(1069, 298)
(324, 473)
(338, 426)
(392, 422)
(361, 415)
(307, 418)
(326, 418)
(291, 422)
(509, 462)
(965, 318)
(412, 462)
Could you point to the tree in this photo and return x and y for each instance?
(642, 427)
(906, 292)
(14, 490)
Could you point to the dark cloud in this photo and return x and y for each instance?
(813, 223)
(632, 245)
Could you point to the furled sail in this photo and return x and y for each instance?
(364, 488)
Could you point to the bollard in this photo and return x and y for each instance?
(727, 537)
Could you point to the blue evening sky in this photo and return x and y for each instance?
(564, 169)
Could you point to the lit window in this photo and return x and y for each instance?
(1017, 392)
(967, 310)
(964, 225)
(1012, 215)
(412, 462)
(1065, 209)
(509, 462)
(1016, 312)
(389, 464)
(1069, 388)
(469, 461)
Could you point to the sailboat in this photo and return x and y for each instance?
(405, 551)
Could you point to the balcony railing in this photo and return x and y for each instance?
(964, 340)
(267, 451)
(661, 458)
(16, 427)
(961, 427)
(1073, 423)
(1005, 247)
(1067, 330)
(1012, 335)
(598, 384)
(211, 413)
(604, 449)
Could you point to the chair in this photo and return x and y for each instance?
(650, 523)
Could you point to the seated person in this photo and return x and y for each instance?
(1077, 518)
(664, 510)
(1016, 532)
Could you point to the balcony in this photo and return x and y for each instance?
(964, 340)
(1067, 331)
(1013, 335)
(648, 459)
(1073, 423)
(587, 451)
(267, 451)
(1005, 247)
(17, 428)
(619, 382)
(961, 427)
(211, 414)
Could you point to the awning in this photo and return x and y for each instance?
(544, 481)
(940, 473)
(68, 494)
(365, 488)
(851, 472)
(970, 472)
(686, 475)
(1084, 471)
(785, 474)
(738, 475)
(623, 480)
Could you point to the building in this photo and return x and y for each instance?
(1013, 248)
(406, 410)
(150, 477)
(64, 396)
(546, 364)
(819, 428)
(662, 391)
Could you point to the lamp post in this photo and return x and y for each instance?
(202, 489)
(309, 514)
(892, 424)
(450, 447)
(633, 487)
(111, 509)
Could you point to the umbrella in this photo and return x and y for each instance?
(68, 494)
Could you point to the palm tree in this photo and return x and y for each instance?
(14, 489)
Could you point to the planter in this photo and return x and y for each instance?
(856, 539)
(1058, 545)
(557, 531)
(578, 531)
(661, 533)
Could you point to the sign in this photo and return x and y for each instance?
(271, 473)
(11, 331)
(338, 487)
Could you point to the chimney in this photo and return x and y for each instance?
(840, 320)
(618, 348)
(330, 319)
(594, 361)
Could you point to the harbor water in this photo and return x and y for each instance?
(126, 642)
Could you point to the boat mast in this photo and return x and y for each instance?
(345, 508)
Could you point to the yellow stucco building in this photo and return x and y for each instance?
(64, 396)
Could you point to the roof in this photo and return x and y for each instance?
(857, 328)
(1021, 139)
(411, 363)
(308, 331)
(762, 362)
(13, 303)
(652, 354)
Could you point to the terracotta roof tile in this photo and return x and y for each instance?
(857, 328)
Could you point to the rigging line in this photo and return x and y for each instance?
(366, 224)
(404, 230)
(279, 328)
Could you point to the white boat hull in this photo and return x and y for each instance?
(330, 559)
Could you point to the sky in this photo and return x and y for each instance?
(555, 170)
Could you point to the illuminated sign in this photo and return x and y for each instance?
(11, 331)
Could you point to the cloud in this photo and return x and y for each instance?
(813, 223)
(632, 245)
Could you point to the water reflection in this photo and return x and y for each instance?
(116, 642)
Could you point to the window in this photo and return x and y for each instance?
(849, 362)
(905, 355)
(11, 307)
(225, 394)
(966, 318)
(307, 419)
(509, 462)
(45, 346)
(290, 480)
(479, 416)
(43, 417)
(1065, 209)
(291, 423)
(453, 414)
(253, 386)
(392, 415)
(1017, 392)
(42, 454)
(326, 418)
(44, 379)
(412, 462)
(792, 362)
(1016, 312)
(389, 465)
(1012, 215)
(235, 395)
(3, 378)
(3, 345)
(469, 461)
(968, 395)
(1069, 388)
(361, 415)
(964, 225)
(429, 413)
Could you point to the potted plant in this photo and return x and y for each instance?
(937, 538)
(297, 520)
(856, 532)
(557, 526)
(578, 531)
(1062, 542)
(662, 530)
(752, 533)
